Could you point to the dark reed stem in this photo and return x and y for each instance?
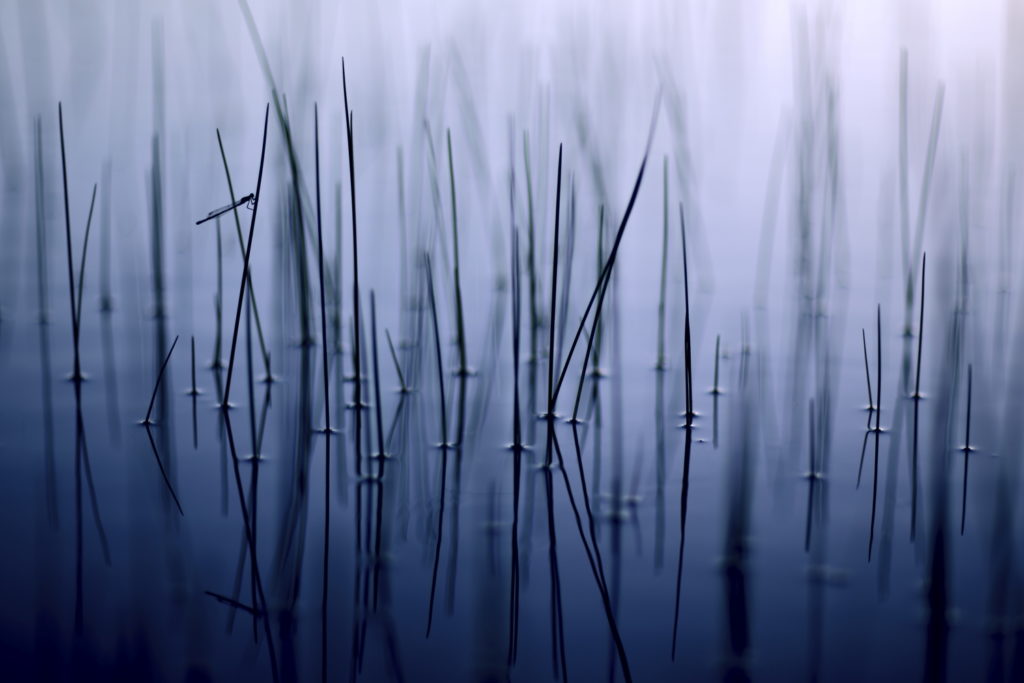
(715, 389)
(878, 392)
(403, 387)
(194, 391)
(867, 374)
(920, 331)
(218, 304)
(516, 290)
(567, 260)
(376, 384)
(357, 367)
(686, 326)
(381, 452)
(444, 441)
(241, 251)
(327, 402)
(661, 363)
(966, 449)
(152, 400)
(459, 320)
(593, 552)
(245, 267)
(440, 366)
(147, 422)
(517, 448)
(76, 374)
(81, 260)
(684, 496)
(246, 516)
(610, 262)
(550, 414)
(337, 269)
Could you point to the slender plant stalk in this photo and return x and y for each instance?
(878, 390)
(598, 294)
(357, 367)
(459, 319)
(554, 289)
(920, 331)
(152, 399)
(194, 391)
(85, 250)
(76, 374)
(661, 363)
(686, 327)
(241, 251)
(966, 449)
(715, 390)
(444, 443)
(550, 413)
(245, 267)
(867, 374)
(218, 305)
(404, 388)
(327, 401)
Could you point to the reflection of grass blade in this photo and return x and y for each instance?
(163, 471)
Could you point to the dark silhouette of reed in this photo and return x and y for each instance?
(661, 363)
(917, 396)
(76, 373)
(605, 274)
(327, 403)
(444, 440)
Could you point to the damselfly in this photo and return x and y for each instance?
(249, 200)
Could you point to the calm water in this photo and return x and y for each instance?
(781, 537)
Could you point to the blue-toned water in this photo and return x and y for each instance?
(816, 153)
